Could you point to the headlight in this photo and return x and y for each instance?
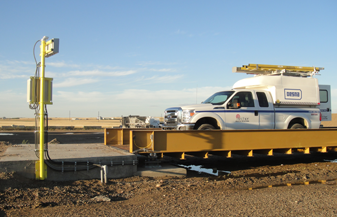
(187, 115)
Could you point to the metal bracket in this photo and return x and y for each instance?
(104, 174)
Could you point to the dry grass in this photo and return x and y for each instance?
(94, 122)
(62, 122)
(332, 123)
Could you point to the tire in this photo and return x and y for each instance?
(206, 127)
(297, 126)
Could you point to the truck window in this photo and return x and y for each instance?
(246, 99)
(323, 95)
(263, 102)
(218, 98)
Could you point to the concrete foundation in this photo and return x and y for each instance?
(163, 170)
(21, 159)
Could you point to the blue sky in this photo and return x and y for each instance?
(140, 57)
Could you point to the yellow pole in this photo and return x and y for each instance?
(43, 53)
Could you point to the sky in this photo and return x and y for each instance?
(140, 57)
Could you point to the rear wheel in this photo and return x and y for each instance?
(206, 127)
(297, 126)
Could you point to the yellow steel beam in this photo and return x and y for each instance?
(142, 140)
(248, 153)
(227, 154)
(268, 152)
(113, 136)
(202, 154)
(304, 150)
(284, 150)
(125, 136)
(227, 141)
(119, 136)
(224, 143)
(319, 149)
(323, 149)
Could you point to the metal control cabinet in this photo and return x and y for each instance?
(33, 90)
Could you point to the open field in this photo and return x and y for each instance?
(332, 123)
(78, 123)
(94, 122)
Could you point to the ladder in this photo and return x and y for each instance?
(263, 69)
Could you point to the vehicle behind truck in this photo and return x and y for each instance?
(277, 97)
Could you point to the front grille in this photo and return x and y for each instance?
(172, 116)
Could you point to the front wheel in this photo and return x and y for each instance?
(297, 126)
(206, 127)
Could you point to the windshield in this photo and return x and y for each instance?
(218, 98)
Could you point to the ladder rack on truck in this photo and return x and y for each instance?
(263, 69)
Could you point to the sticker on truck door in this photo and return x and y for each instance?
(241, 119)
(293, 94)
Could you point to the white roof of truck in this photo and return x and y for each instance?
(291, 85)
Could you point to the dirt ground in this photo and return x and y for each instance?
(246, 191)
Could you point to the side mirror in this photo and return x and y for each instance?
(235, 104)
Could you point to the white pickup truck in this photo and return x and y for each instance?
(277, 97)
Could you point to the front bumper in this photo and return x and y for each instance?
(168, 127)
(178, 127)
(185, 127)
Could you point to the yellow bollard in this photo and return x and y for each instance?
(43, 54)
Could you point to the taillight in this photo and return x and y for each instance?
(320, 116)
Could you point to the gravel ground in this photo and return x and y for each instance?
(211, 200)
(227, 195)
(255, 187)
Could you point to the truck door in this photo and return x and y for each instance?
(265, 111)
(245, 117)
(325, 100)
